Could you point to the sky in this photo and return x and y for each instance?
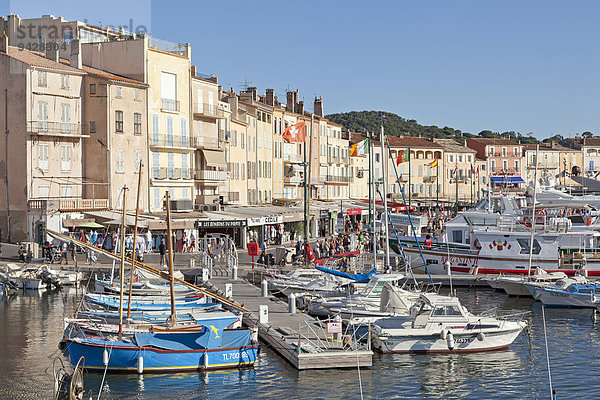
(524, 66)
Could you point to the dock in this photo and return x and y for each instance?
(299, 338)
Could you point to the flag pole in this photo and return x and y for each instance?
(456, 180)
(437, 185)
(370, 182)
(384, 166)
(305, 204)
(409, 174)
(312, 116)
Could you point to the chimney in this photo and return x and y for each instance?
(270, 97)
(252, 90)
(4, 43)
(292, 101)
(318, 106)
(300, 108)
(194, 71)
(75, 58)
(233, 103)
(52, 51)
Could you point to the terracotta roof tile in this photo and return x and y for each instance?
(37, 59)
(495, 141)
(110, 76)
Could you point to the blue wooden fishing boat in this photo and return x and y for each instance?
(211, 347)
(109, 302)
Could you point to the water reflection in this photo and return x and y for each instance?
(31, 327)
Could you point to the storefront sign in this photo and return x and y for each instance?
(355, 211)
(403, 220)
(265, 220)
(324, 214)
(220, 223)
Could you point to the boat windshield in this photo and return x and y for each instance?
(446, 311)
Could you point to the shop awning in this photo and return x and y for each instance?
(78, 222)
(507, 179)
(161, 225)
(214, 158)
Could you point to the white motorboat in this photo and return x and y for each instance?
(300, 275)
(576, 294)
(440, 324)
(369, 298)
(515, 285)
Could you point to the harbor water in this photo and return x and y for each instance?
(31, 328)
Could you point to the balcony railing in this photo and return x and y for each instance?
(208, 110)
(294, 158)
(224, 136)
(69, 204)
(171, 47)
(337, 159)
(293, 180)
(207, 142)
(317, 180)
(210, 175)
(169, 105)
(337, 179)
(173, 141)
(171, 173)
(54, 128)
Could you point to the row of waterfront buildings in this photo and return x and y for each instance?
(83, 107)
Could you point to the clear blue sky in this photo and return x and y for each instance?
(527, 66)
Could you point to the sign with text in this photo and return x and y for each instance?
(334, 327)
(220, 223)
(402, 220)
(265, 220)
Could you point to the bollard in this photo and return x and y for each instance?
(234, 272)
(264, 288)
(228, 290)
(263, 314)
(205, 274)
(292, 303)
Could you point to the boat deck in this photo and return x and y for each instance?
(287, 333)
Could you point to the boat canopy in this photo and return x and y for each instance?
(507, 179)
(361, 278)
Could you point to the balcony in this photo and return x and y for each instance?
(68, 205)
(45, 128)
(224, 136)
(317, 180)
(208, 142)
(210, 175)
(173, 142)
(335, 179)
(332, 159)
(171, 173)
(181, 49)
(293, 180)
(293, 158)
(169, 105)
(206, 110)
(429, 179)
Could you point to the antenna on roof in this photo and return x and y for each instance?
(246, 84)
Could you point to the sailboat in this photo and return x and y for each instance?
(210, 342)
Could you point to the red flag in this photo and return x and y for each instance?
(295, 133)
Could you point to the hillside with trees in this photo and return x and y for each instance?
(371, 121)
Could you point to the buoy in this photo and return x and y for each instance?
(105, 357)
(140, 366)
(450, 341)
(443, 334)
(206, 360)
(481, 336)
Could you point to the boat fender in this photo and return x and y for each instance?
(443, 334)
(105, 357)
(140, 365)
(450, 341)
(481, 336)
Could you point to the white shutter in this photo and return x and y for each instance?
(200, 99)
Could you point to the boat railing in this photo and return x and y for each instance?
(317, 336)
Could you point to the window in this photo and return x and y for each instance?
(184, 166)
(170, 166)
(376, 157)
(67, 36)
(66, 159)
(119, 121)
(43, 191)
(92, 126)
(43, 157)
(504, 152)
(65, 118)
(516, 166)
(168, 91)
(504, 165)
(119, 92)
(184, 138)
(92, 88)
(137, 124)
(493, 165)
(155, 165)
(515, 151)
(491, 152)
(459, 158)
(66, 191)
(242, 139)
(155, 129)
(524, 243)
(42, 78)
(156, 197)
(169, 131)
(137, 95)
(42, 116)
(64, 81)
(457, 236)
(450, 158)
(119, 161)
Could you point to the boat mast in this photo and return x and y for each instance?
(122, 266)
(137, 208)
(169, 245)
(385, 209)
(537, 148)
(374, 188)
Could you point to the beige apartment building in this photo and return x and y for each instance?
(555, 163)
(165, 67)
(209, 114)
(115, 120)
(334, 164)
(457, 172)
(424, 188)
(359, 172)
(43, 147)
(237, 152)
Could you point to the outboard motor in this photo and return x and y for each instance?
(50, 280)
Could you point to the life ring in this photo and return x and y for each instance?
(476, 244)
